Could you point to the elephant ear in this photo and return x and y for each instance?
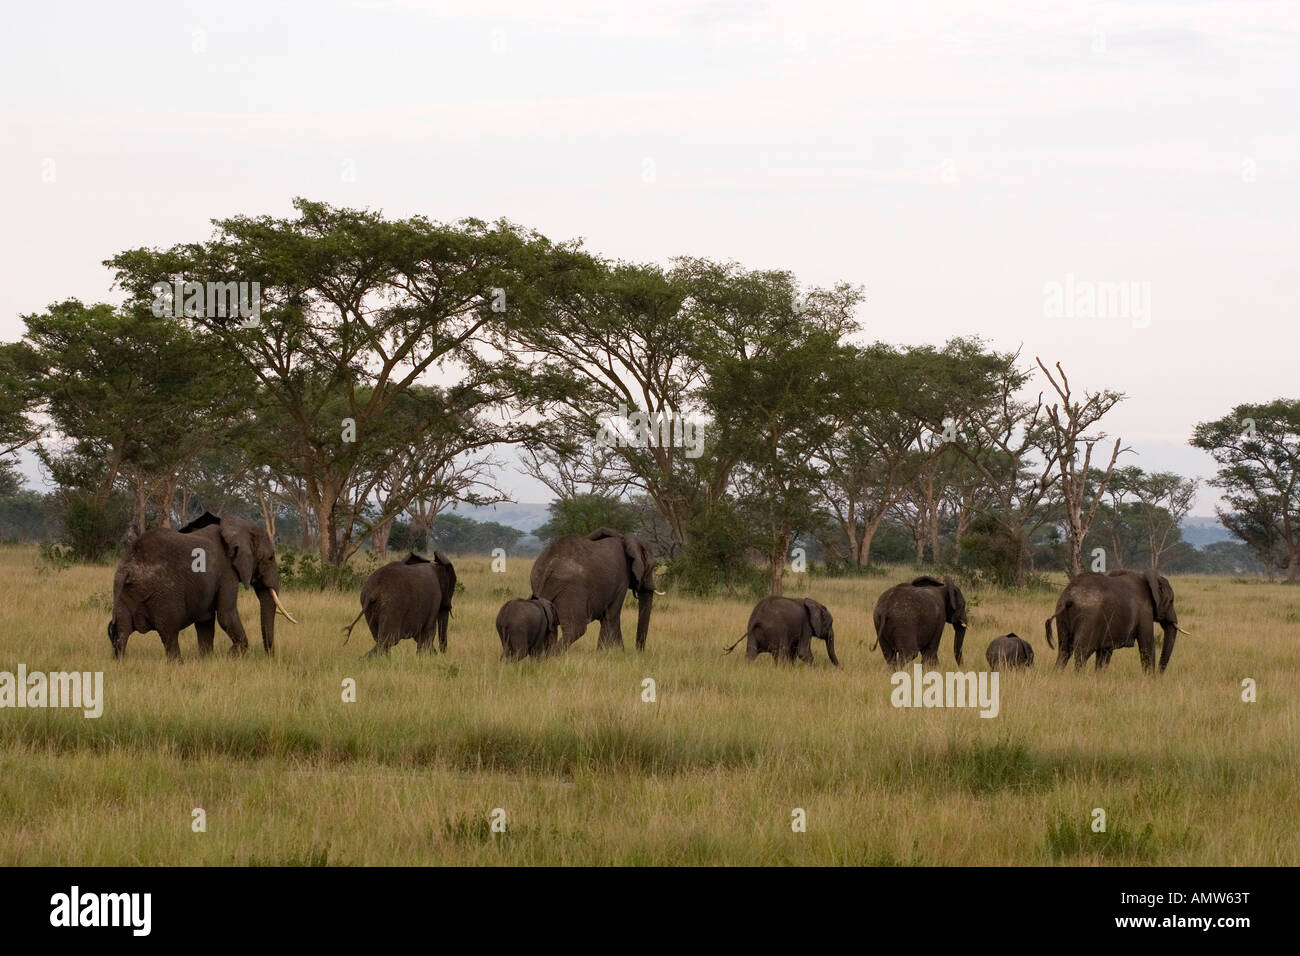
(954, 601)
(819, 619)
(601, 533)
(237, 536)
(446, 575)
(641, 563)
(1162, 595)
(414, 558)
(548, 609)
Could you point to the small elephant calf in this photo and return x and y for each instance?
(527, 628)
(1009, 651)
(784, 628)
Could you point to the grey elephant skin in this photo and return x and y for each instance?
(587, 578)
(784, 627)
(910, 617)
(527, 628)
(171, 579)
(1097, 613)
(1009, 651)
(410, 598)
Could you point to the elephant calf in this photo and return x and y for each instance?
(409, 598)
(784, 628)
(1009, 651)
(527, 628)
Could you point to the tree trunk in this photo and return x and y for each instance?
(379, 536)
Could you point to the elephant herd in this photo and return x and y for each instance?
(171, 579)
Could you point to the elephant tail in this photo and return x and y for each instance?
(738, 640)
(880, 626)
(348, 630)
(1047, 626)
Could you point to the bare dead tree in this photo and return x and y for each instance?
(1069, 422)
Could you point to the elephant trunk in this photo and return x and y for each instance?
(267, 602)
(645, 602)
(1167, 647)
(959, 635)
(830, 649)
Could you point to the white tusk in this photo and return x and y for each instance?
(661, 592)
(1181, 631)
(280, 607)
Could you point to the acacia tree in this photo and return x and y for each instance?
(1165, 500)
(1069, 422)
(773, 410)
(870, 451)
(357, 311)
(1257, 447)
(130, 400)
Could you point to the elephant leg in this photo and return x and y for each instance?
(424, 644)
(1146, 642)
(171, 643)
(930, 655)
(442, 631)
(803, 650)
(751, 647)
(1103, 657)
(611, 627)
(205, 631)
(611, 633)
(571, 631)
(228, 618)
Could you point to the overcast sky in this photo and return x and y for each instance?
(953, 158)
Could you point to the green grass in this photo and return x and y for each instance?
(587, 773)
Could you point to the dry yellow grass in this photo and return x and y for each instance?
(588, 773)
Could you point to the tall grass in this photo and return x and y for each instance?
(586, 772)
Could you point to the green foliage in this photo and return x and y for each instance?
(457, 534)
(583, 514)
(306, 572)
(93, 529)
(716, 557)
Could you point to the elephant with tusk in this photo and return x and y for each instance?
(587, 578)
(1096, 613)
(171, 579)
(910, 618)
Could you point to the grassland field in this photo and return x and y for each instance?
(587, 773)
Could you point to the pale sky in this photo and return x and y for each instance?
(952, 158)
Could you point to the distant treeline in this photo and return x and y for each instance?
(346, 377)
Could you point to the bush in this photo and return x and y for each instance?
(93, 530)
(306, 572)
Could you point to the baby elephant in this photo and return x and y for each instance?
(1009, 651)
(410, 598)
(527, 628)
(784, 628)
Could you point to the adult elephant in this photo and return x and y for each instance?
(1096, 613)
(784, 628)
(909, 620)
(587, 578)
(171, 579)
(410, 598)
